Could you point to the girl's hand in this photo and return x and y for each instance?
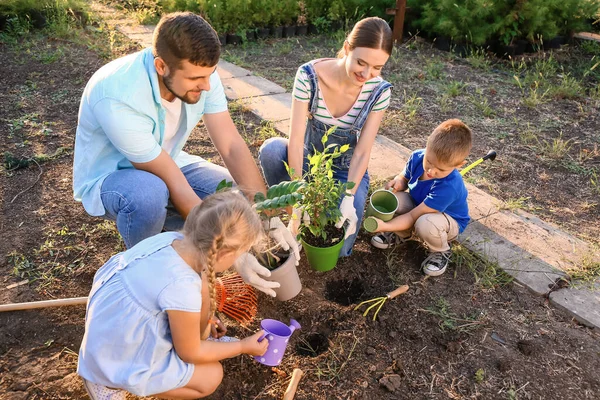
(252, 346)
(217, 329)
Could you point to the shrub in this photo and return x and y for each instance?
(40, 13)
(478, 21)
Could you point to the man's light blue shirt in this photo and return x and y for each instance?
(122, 120)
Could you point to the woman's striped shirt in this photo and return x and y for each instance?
(302, 92)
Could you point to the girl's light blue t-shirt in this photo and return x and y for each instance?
(127, 342)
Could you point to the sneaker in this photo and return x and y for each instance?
(386, 240)
(100, 392)
(435, 264)
(223, 339)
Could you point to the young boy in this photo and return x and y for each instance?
(435, 205)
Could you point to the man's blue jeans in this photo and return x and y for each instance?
(272, 154)
(138, 201)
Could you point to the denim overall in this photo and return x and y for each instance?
(274, 150)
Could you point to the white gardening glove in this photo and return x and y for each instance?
(348, 214)
(248, 267)
(283, 237)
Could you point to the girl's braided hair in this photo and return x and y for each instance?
(224, 221)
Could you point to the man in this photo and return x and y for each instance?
(136, 115)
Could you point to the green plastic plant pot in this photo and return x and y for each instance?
(383, 205)
(322, 258)
(370, 224)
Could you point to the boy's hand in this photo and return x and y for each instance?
(395, 185)
(381, 225)
(252, 346)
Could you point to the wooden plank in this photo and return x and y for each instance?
(588, 36)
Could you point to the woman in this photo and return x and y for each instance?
(348, 93)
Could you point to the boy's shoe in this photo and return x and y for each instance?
(100, 392)
(386, 240)
(436, 263)
(223, 339)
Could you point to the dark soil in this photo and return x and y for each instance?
(344, 292)
(312, 345)
(434, 342)
(333, 237)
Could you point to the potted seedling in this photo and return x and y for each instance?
(282, 264)
(321, 194)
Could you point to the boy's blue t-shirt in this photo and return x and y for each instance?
(447, 195)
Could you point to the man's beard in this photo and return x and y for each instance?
(167, 80)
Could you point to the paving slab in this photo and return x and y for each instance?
(275, 107)
(228, 70)
(135, 29)
(142, 38)
(249, 86)
(283, 127)
(582, 304)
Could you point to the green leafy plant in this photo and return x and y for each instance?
(279, 198)
(321, 192)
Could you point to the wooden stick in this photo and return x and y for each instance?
(290, 392)
(43, 304)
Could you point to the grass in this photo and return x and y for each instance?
(587, 273)
(513, 204)
(450, 321)
(487, 274)
(62, 254)
(434, 69)
(11, 162)
(569, 88)
(556, 148)
(331, 366)
(454, 88)
(528, 134)
(411, 106)
(477, 58)
(482, 105)
(392, 261)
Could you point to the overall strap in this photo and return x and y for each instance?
(314, 87)
(361, 118)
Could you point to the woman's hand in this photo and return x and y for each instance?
(252, 346)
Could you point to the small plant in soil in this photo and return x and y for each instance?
(321, 194)
(279, 198)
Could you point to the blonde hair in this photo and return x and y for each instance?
(372, 33)
(224, 221)
(451, 142)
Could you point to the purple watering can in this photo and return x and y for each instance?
(278, 334)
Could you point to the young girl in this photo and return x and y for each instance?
(145, 325)
(346, 92)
